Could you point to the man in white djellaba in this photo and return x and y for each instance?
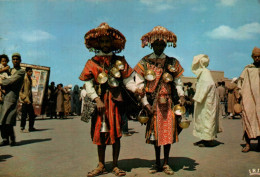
(206, 111)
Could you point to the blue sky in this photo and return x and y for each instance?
(51, 33)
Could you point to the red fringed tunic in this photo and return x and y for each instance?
(113, 118)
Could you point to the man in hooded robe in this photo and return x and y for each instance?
(249, 85)
(233, 96)
(206, 111)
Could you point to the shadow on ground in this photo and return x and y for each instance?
(24, 142)
(177, 163)
(4, 157)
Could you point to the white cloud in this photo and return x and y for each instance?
(158, 5)
(36, 35)
(248, 31)
(228, 2)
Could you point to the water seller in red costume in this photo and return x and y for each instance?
(105, 75)
(160, 76)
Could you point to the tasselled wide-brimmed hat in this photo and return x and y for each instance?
(160, 33)
(92, 36)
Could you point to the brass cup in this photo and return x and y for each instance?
(150, 75)
(120, 65)
(102, 78)
(179, 110)
(167, 77)
(112, 82)
(171, 68)
(143, 117)
(184, 123)
(115, 72)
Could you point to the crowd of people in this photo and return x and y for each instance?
(64, 101)
(155, 83)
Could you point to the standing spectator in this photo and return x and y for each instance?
(52, 100)
(83, 94)
(222, 93)
(27, 101)
(233, 97)
(249, 83)
(8, 108)
(75, 100)
(189, 100)
(60, 101)
(206, 116)
(4, 72)
(67, 101)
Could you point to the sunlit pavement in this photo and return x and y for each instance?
(64, 148)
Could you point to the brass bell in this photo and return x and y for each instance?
(171, 68)
(149, 75)
(119, 65)
(115, 72)
(112, 82)
(142, 116)
(104, 128)
(152, 136)
(102, 78)
(167, 77)
(179, 110)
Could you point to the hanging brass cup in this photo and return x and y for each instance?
(179, 110)
(102, 78)
(149, 75)
(115, 72)
(184, 123)
(112, 82)
(143, 116)
(167, 77)
(171, 68)
(119, 65)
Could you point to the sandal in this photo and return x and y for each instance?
(246, 149)
(118, 172)
(167, 170)
(155, 168)
(97, 171)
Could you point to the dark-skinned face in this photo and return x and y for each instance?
(256, 58)
(29, 73)
(158, 47)
(16, 61)
(105, 44)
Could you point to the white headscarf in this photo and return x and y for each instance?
(199, 63)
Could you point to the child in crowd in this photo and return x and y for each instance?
(4, 72)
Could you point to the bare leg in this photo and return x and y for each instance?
(101, 155)
(157, 154)
(247, 147)
(116, 151)
(167, 149)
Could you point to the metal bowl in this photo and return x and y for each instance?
(115, 72)
(179, 110)
(119, 65)
(143, 119)
(184, 124)
(102, 78)
(112, 82)
(167, 77)
(149, 75)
